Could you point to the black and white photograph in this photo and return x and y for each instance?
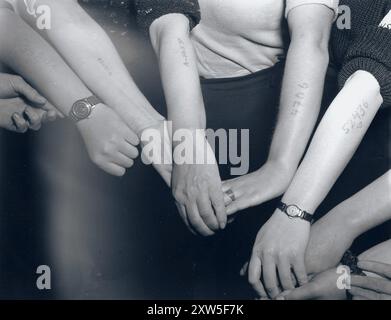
(195, 150)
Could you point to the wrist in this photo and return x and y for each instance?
(282, 164)
(85, 123)
(283, 167)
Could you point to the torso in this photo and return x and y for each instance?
(236, 38)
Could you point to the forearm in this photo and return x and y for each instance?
(91, 54)
(368, 208)
(332, 235)
(180, 77)
(301, 95)
(335, 141)
(380, 253)
(30, 56)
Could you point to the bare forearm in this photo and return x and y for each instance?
(179, 73)
(379, 253)
(332, 235)
(90, 52)
(335, 141)
(370, 207)
(25, 52)
(301, 96)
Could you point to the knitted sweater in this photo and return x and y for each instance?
(149, 10)
(366, 46)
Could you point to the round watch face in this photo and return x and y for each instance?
(293, 211)
(81, 110)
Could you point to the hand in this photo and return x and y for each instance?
(17, 116)
(369, 287)
(330, 238)
(111, 145)
(253, 189)
(321, 287)
(157, 149)
(197, 189)
(280, 246)
(12, 86)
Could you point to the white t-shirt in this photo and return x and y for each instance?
(239, 37)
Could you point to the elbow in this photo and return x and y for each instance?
(166, 27)
(310, 49)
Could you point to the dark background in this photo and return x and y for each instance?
(118, 238)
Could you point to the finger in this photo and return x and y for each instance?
(123, 161)
(294, 280)
(367, 294)
(300, 271)
(129, 150)
(269, 277)
(206, 212)
(132, 138)
(217, 199)
(244, 269)
(183, 214)
(52, 115)
(382, 269)
(372, 283)
(34, 118)
(22, 88)
(254, 276)
(227, 200)
(227, 185)
(52, 111)
(196, 222)
(20, 123)
(285, 275)
(236, 206)
(306, 292)
(113, 169)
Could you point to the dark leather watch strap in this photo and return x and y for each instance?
(304, 214)
(307, 217)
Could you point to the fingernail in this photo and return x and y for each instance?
(42, 99)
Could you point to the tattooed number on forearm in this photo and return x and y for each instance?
(183, 52)
(299, 97)
(105, 66)
(356, 119)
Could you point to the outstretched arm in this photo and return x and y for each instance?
(91, 54)
(196, 185)
(332, 235)
(109, 141)
(301, 96)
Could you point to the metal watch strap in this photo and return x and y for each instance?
(304, 214)
(93, 100)
(73, 117)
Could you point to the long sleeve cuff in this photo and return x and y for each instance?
(370, 51)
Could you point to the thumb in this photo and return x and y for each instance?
(306, 292)
(22, 88)
(234, 207)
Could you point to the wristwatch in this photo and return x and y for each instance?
(293, 212)
(82, 109)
